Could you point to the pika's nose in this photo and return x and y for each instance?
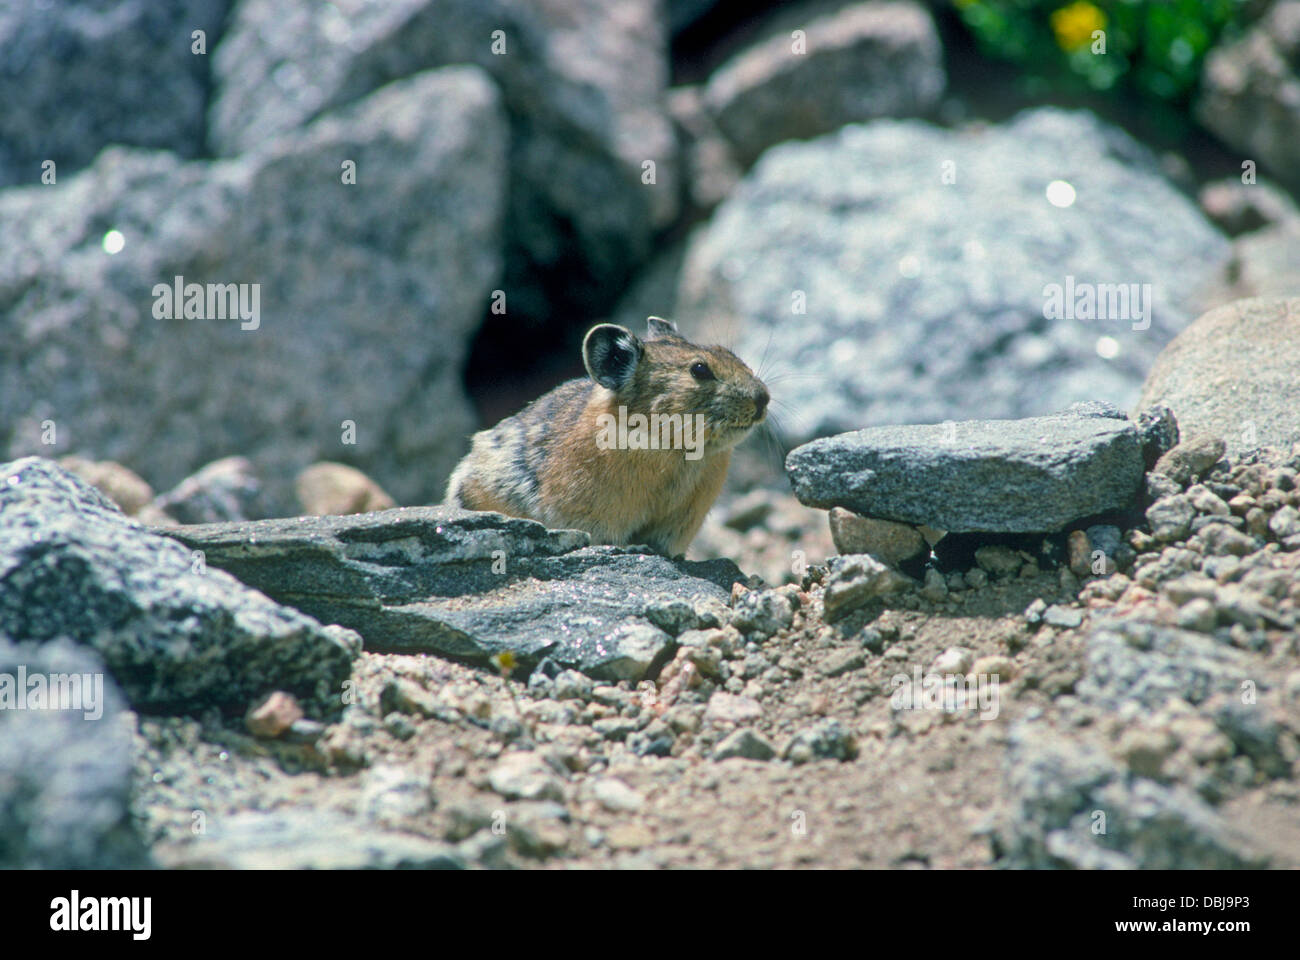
(760, 402)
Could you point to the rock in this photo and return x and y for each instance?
(998, 560)
(730, 708)
(864, 61)
(762, 613)
(654, 740)
(224, 490)
(273, 716)
(1239, 207)
(392, 793)
(1066, 618)
(123, 486)
(333, 271)
(855, 579)
(825, 740)
(572, 685)
(845, 661)
(1198, 614)
(891, 543)
(1191, 458)
(1247, 395)
(1145, 750)
(1170, 518)
(1148, 664)
(992, 476)
(402, 695)
(469, 585)
(1250, 90)
(525, 776)
(745, 743)
(583, 84)
(177, 635)
(307, 839)
(1285, 523)
(1158, 431)
(328, 489)
(935, 587)
(616, 796)
(615, 728)
(813, 231)
(1073, 808)
(67, 773)
(120, 74)
(1263, 265)
(954, 660)
(1079, 548)
(1222, 539)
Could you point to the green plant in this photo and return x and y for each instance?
(1153, 47)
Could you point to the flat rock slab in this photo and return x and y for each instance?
(176, 635)
(468, 585)
(1036, 475)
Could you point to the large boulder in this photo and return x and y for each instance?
(177, 635)
(470, 586)
(583, 83)
(883, 294)
(66, 762)
(81, 74)
(367, 295)
(1235, 374)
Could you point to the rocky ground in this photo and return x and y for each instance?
(772, 741)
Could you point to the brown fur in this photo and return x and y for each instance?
(545, 463)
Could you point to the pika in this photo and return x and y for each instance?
(634, 454)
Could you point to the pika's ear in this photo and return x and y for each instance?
(610, 353)
(659, 327)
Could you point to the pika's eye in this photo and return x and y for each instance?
(701, 371)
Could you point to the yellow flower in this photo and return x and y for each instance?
(1074, 25)
(505, 661)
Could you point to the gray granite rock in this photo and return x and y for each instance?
(177, 635)
(583, 83)
(82, 74)
(468, 585)
(879, 293)
(226, 489)
(1148, 664)
(365, 302)
(65, 774)
(1015, 476)
(1072, 807)
(1235, 374)
(864, 61)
